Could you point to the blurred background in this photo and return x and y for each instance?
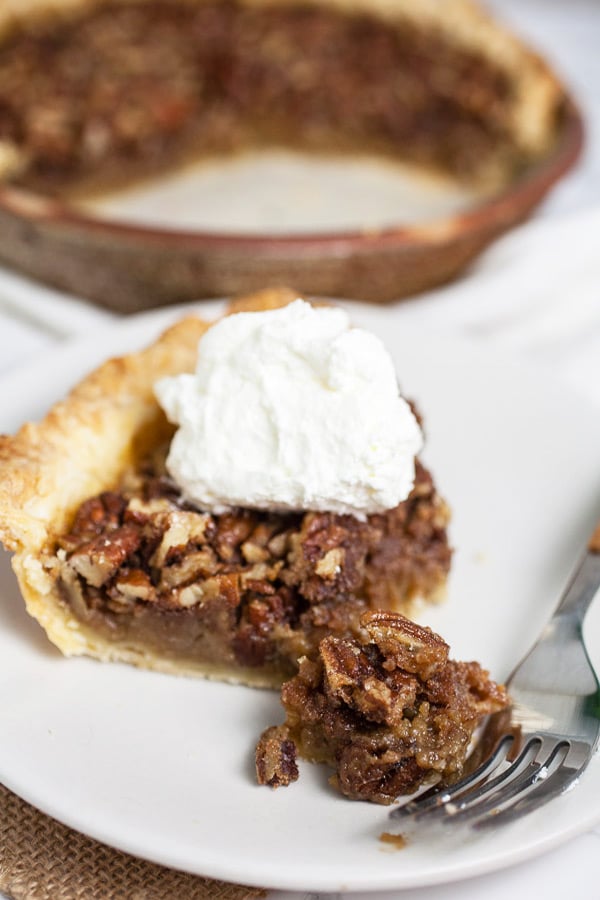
(361, 224)
(568, 35)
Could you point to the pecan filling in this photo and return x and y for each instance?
(127, 89)
(247, 588)
(387, 709)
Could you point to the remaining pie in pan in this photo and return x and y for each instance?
(97, 92)
(114, 560)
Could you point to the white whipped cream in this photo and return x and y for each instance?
(291, 409)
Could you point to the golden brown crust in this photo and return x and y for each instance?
(536, 91)
(80, 448)
(270, 298)
(93, 435)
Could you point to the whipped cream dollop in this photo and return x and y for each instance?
(291, 409)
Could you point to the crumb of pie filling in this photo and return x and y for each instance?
(388, 709)
(249, 589)
(276, 758)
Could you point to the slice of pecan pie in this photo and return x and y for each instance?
(115, 562)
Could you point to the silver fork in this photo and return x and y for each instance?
(541, 747)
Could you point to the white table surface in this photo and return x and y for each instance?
(523, 296)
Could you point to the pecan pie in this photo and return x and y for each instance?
(114, 562)
(387, 709)
(95, 92)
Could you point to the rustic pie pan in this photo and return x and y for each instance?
(129, 268)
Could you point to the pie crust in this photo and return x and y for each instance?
(82, 446)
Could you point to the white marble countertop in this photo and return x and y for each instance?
(523, 296)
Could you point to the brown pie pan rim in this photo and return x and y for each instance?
(128, 267)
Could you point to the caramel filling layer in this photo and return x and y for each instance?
(245, 589)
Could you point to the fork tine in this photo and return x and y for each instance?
(486, 793)
(555, 784)
(434, 797)
(555, 708)
(457, 807)
(512, 784)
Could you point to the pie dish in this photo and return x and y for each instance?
(114, 563)
(100, 93)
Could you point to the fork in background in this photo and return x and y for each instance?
(543, 746)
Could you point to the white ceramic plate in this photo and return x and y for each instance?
(162, 767)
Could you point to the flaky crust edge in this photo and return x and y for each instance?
(80, 448)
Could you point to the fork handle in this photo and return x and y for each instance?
(584, 584)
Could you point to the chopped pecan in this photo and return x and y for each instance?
(386, 700)
(345, 665)
(99, 513)
(279, 544)
(141, 511)
(198, 564)
(484, 693)
(259, 574)
(262, 614)
(221, 588)
(98, 560)
(232, 531)
(71, 589)
(411, 555)
(253, 553)
(404, 644)
(352, 675)
(225, 587)
(183, 528)
(331, 564)
(258, 548)
(191, 595)
(468, 684)
(134, 584)
(328, 555)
